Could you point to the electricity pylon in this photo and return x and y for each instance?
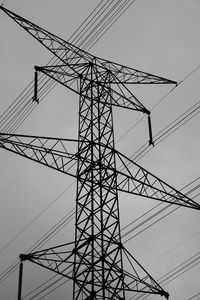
(96, 261)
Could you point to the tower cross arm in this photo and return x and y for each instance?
(48, 151)
(58, 259)
(120, 95)
(127, 75)
(68, 53)
(63, 50)
(134, 179)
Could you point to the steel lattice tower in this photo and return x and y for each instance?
(96, 261)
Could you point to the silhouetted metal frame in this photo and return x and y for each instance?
(98, 270)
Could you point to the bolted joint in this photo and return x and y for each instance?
(93, 294)
(92, 238)
(120, 245)
(113, 150)
(146, 111)
(37, 68)
(24, 257)
(80, 75)
(165, 294)
(75, 251)
(102, 258)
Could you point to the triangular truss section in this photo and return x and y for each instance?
(134, 179)
(98, 264)
(133, 277)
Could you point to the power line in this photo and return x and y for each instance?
(189, 114)
(16, 109)
(28, 90)
(105, 22)
(194, 296)
(161, 100)
(164, 133)
(174, 273)
(149, 218)
(37, 217)
(153, 216)
(42, 241)
(24, 111)
(111, 21)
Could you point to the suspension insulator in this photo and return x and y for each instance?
(151, 142)
(20, 280)
(35, 97)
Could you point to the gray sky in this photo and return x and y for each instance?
(157, 36)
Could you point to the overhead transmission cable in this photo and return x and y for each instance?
(192, 190)
(37, 245)
(161, 100)
(123, 228)
(37, 217)
(10, 269)
(153, 215)
(194, 296)
(161, 135)
(141, 216)
(50, 285)
(13, 268)
(110, 22)
(189, 114)
(115, 10)
(15, 105)
(114, 18)
(17, 122)
(183, 267)
(18, 111)
(174, 273)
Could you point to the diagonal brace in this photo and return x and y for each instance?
(134, 179)
(48, 151)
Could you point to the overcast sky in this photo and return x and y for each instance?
(156, 36)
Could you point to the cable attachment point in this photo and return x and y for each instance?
(151, 142)
(35, 97)
(165, 294)
(3, 3)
